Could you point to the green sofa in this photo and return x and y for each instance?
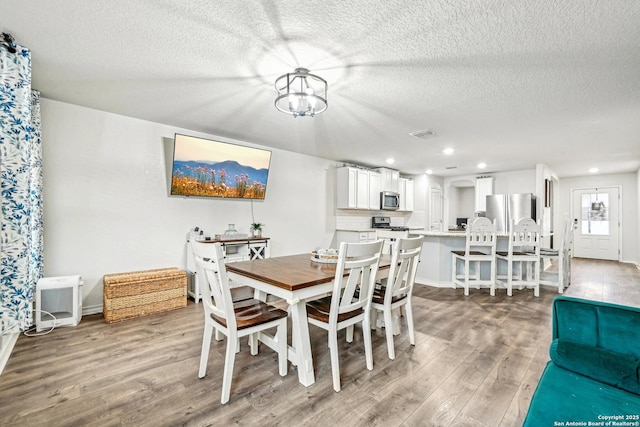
(593, 377)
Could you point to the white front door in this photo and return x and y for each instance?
(597, 225)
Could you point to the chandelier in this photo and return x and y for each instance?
(301, 93)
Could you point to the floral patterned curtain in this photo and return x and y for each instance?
(21, 191)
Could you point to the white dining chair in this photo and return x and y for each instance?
(561, 257)
(397, 289)
(238, 293)
(522, 257)
(480, 248)
(248, 317)
(343, 308)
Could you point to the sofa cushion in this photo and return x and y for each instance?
(563, 397)
(600, 364)
(598, 324)
(619, 329)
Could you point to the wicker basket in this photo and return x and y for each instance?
(140, 293)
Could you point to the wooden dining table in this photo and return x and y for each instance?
(295, 279)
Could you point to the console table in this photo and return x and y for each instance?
(245, 249)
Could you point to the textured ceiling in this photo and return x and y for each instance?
(510, 83)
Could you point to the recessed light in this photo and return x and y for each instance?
(482, 165)
(448, 151)
(593, 170)
(390, 161)
(428, 171)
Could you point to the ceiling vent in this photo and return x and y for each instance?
(451, 167)
(424, 133)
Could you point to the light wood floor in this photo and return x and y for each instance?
(476, 362)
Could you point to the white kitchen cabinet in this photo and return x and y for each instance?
(347, 190)
(355, 236)
(362, 189)
(409, 196)
(390, 179)
(375, 187)
(358, 189)
(405, 189)
(484, 188)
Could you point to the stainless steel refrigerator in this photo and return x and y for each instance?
(503, 208)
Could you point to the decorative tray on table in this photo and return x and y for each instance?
(325, 256)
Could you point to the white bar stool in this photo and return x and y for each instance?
(523, 257)
(480, 247)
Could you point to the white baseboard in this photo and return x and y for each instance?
(630, 262)
(426, 282)
(92, 309)
(7, 342)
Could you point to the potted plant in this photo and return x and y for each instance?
(256, 229)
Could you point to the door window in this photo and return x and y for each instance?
(595, 214)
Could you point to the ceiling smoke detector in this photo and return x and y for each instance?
(424, 133)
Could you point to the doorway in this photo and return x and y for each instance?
(435, 215)
(596, 217)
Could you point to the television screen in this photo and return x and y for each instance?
(207, 168)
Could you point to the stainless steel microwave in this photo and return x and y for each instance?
(389, 200)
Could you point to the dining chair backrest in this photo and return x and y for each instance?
(524, 236)
(360, 262)
(216, 294)
(481, 234)
(563, 243)
(567, 249)
(568, 235)
(404, 265)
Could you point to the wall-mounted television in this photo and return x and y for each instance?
(208, 168)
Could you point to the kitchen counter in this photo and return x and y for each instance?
(357, 230)
(451, 233)
(367, 229)
(434, 268)
(370, 234)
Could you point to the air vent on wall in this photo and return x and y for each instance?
(424, 133)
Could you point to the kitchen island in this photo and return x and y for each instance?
(434, 268)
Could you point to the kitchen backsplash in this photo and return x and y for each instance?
(356, 220)
(417, 219)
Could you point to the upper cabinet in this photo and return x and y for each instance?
(405, 189)
(362, 189)
(358, 189)
(484, 188)
(375, 187)
(390, 179)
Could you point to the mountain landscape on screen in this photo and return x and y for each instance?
(222, 179)
(208, 168)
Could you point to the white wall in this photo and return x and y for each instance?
(515, 182)
(549, 217)
(107, 209)
(629, 211)
(638, 218)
